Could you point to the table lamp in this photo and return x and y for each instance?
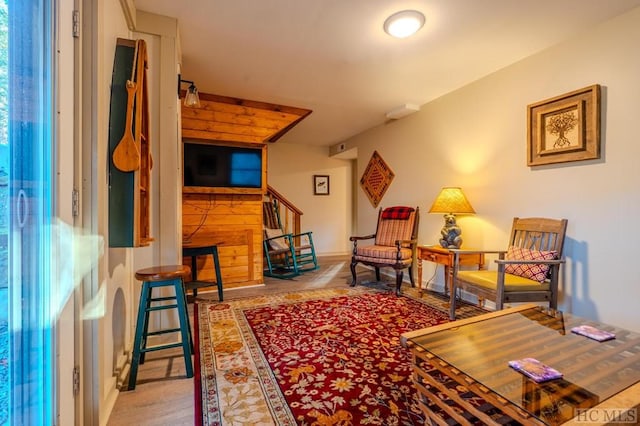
(451, 201)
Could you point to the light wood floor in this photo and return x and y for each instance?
(164, 396)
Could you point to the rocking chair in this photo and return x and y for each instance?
(286, 255)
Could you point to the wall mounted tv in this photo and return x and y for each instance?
(208, 166)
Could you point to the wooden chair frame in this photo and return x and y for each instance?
(531, 233)
(287, 263)
(398, 266)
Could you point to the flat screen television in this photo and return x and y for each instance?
(221, 166)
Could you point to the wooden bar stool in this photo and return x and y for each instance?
(157, 277)
(194, 251)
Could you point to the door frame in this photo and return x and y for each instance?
(88, 400)
(64, 168)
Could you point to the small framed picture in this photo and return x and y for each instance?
(320, 184)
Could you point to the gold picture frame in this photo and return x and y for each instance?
(565, 128)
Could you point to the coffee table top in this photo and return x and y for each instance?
(481, 348)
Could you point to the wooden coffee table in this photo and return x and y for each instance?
(473, 354)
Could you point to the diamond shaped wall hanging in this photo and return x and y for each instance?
(376, 179)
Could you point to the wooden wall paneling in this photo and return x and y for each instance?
(232, 119)
(229, 128)
(199, 134)
(231, 218)
(232, 115)
(234, 224)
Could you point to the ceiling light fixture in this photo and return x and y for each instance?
(403, 24)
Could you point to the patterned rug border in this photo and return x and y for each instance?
(432, 298)
(260, 381)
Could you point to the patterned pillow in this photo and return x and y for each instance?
(276, 243)
(533, 271)
(398, 212)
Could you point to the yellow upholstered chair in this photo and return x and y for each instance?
(527, 271)
(394, 244)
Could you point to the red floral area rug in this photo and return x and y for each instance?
(323, 357)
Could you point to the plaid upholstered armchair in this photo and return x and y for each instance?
(394, 244)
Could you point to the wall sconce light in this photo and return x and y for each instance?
(191, 99)
(451, 201)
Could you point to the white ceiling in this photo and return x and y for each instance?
(333, 57)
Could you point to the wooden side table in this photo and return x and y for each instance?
(443, 256)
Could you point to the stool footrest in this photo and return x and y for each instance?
(156, 333)
(160, 347)
(195, 284)
(162, 299)
(160, 308)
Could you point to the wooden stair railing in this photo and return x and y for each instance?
(289, 214)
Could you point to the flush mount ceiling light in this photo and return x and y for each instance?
(403, 24)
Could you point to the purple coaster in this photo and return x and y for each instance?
(535, 370)
(593, 333)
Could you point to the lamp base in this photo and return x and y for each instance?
(446, 245)
(450, 233)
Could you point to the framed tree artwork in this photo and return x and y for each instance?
(565, 128)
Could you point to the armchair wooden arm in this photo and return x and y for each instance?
(299, 243)
(302, 234)
(409, 243)
(529, 262)
(366, 237)
(465, 251)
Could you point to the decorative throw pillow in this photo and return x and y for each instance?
(276, 243)
(533, 271)
(398, 212)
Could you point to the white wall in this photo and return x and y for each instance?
(475, 138)
(118, 265)
(115, 266)
(290, 170)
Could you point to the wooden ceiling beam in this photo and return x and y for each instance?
(232, 119)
